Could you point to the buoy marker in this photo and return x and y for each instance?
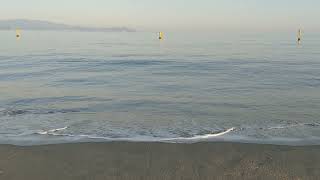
(299, 36)
(160, 35)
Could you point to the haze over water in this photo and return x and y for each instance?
(78, 86)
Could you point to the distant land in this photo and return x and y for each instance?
(25, 24)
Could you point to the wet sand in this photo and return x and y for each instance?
(121, 160)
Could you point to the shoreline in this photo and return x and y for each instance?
(49, 139)
(140, 160)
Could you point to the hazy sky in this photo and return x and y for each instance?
(171, 15)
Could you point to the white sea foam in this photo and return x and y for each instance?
(196, 138)
(51, 131)
(205, 136)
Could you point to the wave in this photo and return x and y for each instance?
(205, 136)
(293, 125)
(61, 134)
(18, 112)
(6, 112)
(51, 131)
(280, 127)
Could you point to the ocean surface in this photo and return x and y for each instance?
(58, 87)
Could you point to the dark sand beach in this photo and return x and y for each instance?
(122, 160)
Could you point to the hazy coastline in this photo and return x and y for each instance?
(25, 24)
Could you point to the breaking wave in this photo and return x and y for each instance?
(205, 136)
(54, 132)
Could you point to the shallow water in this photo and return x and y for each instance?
(78, 86)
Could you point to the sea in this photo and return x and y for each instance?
(68, 87)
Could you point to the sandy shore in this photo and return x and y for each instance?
(107, 161)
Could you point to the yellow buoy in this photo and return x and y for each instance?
(160, 35)
(299, 36)
(18, 33)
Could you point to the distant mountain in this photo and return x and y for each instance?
(46, 25)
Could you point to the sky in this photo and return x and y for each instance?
(171, 15)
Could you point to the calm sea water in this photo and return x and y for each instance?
(60, 87)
